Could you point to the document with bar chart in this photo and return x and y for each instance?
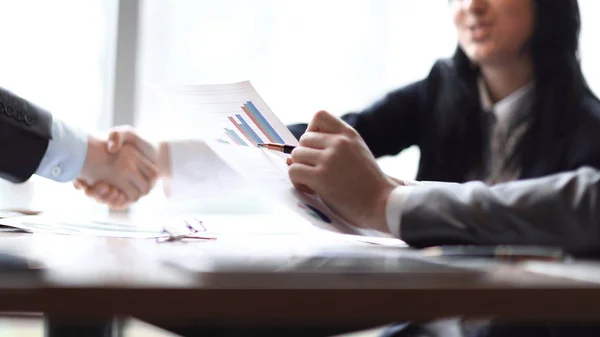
(232, 119)
(232, 114)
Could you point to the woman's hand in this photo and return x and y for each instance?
(333, 161)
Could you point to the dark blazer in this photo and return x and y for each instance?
(418, 115)
(25, 131)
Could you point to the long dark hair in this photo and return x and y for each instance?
(559, 82)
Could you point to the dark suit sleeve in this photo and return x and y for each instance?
(394, 122)
(25, 131)
(560, 210)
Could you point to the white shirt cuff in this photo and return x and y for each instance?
(393, 208)
(66, 153)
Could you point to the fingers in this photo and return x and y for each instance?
(100, 190)
(121, 135)
(145, 147)
(301, 176)
(142, 185)
(103, 192)
(148, 169)
(325, 122)
(97, 191)
(315, 140)
(117, 138)
(123, 176)
(80, 184)
(306, 156)
(163, 161)
(142, 176)
(298, 186)
(303, 188)
(122, 202)
(117, 200)
(113, 196)
(147, 174)
(130, 189)
(132, 173)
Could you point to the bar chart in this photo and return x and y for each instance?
(231, 114)
(233, 119)
(249, 128)
(261, 122)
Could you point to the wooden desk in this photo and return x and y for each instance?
(97, 277)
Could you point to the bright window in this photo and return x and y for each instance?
(57, 54)
(301, 55)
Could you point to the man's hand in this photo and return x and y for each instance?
(334, 162)
(118, 171)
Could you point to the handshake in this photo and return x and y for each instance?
(120, 170)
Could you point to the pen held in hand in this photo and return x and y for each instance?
(278, 147)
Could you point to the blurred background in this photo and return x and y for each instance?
(95, 63)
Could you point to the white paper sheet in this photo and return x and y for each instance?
(223, 112)
(233, 119)
(84, 226)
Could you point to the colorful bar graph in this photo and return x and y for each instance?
(234, 137)
(260, 121)
(256, 122)
(245, 130)
(248, 128)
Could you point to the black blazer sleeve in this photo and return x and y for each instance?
(25, 131)
(395, 122)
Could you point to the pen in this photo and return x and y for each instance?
(278, 147)
(502, 252)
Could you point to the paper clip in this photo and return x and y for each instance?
(195, 227)
(181, 238)
(192, 226)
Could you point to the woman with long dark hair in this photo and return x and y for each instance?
(511, 103)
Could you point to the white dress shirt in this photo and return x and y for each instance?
(503, 111)
(66, 153)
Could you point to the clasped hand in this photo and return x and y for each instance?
(122, 169)
(332, 160)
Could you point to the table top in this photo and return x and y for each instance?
(88, 276)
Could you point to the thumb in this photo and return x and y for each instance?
(122, 135)
(325, 122)
(80, 184)
(116, 139)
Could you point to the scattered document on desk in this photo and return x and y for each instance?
(231, 119)
(82, 226)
